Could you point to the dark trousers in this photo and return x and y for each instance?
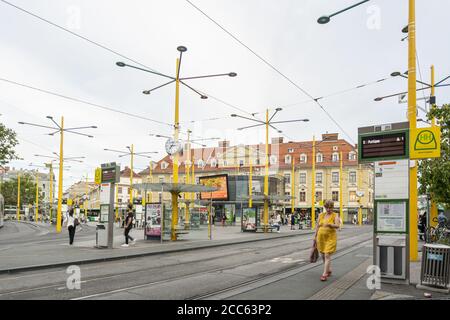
(71, 234)
(127, 236)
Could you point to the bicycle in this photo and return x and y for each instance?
(438, 234)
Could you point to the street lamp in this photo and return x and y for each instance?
(326, 19)
(60, 129)
(268, 123)
(177, 81)
(132, 154)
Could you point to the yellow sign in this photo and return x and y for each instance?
(321, 203)
(69, 202)
(425, 143)
(98, 176)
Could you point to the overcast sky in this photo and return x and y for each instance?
(357, 47)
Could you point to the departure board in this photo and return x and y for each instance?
(381, 146)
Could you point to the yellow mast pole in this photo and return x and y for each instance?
(433, 210)
(18, 197)
(51, 191)
(413, 232)
(151, 179)
(131, 174)
(36, 210)
(60, 178)
(176, 156)
(266, 177)
(187, 176)
(360, 188)
(86, 200)
(293, 185)
(250, 183)
(313, 188)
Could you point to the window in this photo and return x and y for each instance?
(352, 196)
(352, 177)
(302, 196)
(120, 190)
(287, 178)
(43, 194)
(120, 200)
(200, 164)
(160, 196)
(318, 177)
(335, 157)
(257, 161)
(335, 196)
(352, 156)
(164, 165)
(319, 157)
(213, 163)
(241, 163)
(303, 158)
(290, 150)
(43, 186)
(287, 194)
(335, 148)
(335, 177)
(302, 179)
(273, 159)
(161, 179)
(287, 159)
(318, 195)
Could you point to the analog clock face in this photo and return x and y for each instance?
(172, 146)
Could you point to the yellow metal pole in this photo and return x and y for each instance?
(413, 232)
(60, 179)
(131, 174)
(187, 176)
(341, 202)
(86, 200)
(176, 156)
(313, 187)
(360, 188)
(293, 185)
(36, 210)
(266, 177)
(151, 179)
(18, 197)
(250, 183)
(117, 202)
(433, 210)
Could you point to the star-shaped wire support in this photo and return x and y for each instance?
(59, 128)
(181, 49)
(268, 121)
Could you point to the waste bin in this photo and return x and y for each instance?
(101, 236)
(435, 269)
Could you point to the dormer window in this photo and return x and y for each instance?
(319, 157)
(290, 150)
(303, 158)
(335, 157)
(164, 165)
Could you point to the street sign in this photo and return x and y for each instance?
(425, 143)
(110, 173)
(98, 176)
(383, 145)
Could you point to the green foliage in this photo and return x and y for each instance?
(434, 174)
(27, 191)
(8, 140)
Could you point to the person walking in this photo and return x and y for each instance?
(70, 223)
(292, 221)
(128, 225)
(325, 236)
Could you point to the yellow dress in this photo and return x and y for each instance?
(326, 236)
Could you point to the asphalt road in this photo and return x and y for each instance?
(183, 275)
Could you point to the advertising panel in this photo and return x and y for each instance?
(153, 220)
(249, 219)
(220, 182)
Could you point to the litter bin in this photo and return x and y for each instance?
(435, 269)
(101, 236)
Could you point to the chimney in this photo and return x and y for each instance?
(224, 144)
(330, 136)
(277, 140)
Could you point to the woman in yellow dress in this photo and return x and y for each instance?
(325, 236)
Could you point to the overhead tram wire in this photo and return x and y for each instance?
(272, 67)
(104, 47)
(85, 102)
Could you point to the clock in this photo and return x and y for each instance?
(172, 146)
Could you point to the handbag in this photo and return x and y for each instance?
(314, 255)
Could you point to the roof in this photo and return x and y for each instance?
(125, 173)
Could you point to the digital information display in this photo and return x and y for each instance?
(382, 146)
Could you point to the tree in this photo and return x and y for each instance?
(434, 174)
(27, 191)
(8, 140)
